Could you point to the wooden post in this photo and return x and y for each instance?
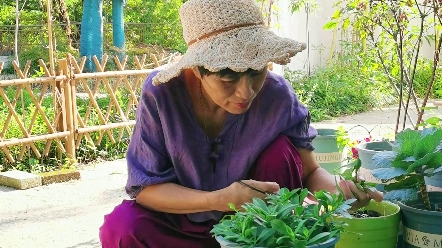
(68, 115)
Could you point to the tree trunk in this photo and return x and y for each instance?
(118, 27)
(97, 30)
(63, 16)
(91, 39)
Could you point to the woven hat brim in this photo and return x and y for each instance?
(239, 49)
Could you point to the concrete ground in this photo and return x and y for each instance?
(69, 214)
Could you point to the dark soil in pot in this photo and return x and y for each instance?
(362, 213)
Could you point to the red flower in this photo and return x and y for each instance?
(354, 152)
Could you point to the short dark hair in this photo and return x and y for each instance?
(224, 72)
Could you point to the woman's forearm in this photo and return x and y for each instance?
(321, 179)
(314, 177)
(173, 198)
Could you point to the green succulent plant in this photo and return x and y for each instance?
(416, 154)
(285, 220)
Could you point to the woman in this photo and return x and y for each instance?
(215, 128)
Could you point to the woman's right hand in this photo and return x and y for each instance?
(238, 194)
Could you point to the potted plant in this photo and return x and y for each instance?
(376, 225)
(416, 154)
(362, 149)
(285, 219)
(327, 152)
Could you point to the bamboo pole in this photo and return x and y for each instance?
(8, 154)
(105, 127)
(112, 74)
(1, 67)
(73, 84)
(10, 82)
(154, 59)
(51, 49)
(80, 135)
(68, 108)
(31, 140)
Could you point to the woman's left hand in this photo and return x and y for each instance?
(350, 190)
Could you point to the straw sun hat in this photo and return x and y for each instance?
(227, 34)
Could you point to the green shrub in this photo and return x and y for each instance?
(348, 84)
(423, 76)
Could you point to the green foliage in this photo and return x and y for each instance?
(415, 154)
(7, 15)
(152, 27)
(167, 30)
(343, 86)
(423, 76)
(351, 173)
(395, 33)
(284, 220)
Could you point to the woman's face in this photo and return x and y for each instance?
(232, 91)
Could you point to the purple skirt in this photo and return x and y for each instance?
(131, 225)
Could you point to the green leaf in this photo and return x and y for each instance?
(347, 174)
(433, 121)
(428, 144)
(401, 161)
(357, 165)
(408, 147)
(319, 237)
(431, 108)
(261, 204)
(299, 226)
(408, 134)
(384, 159)
(431, 160)
(401, 195)
(429, 131)
(407, 182)
(388, 173)
(265, 234)
(346, 23)
(303, 195)
(330, 25)
(280, 226)
(336, 14)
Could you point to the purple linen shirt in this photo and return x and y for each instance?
(168, 145)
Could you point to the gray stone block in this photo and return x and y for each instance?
(19, 179)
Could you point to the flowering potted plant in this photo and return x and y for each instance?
(362, 149)
(285, 219)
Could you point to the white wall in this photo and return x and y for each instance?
(320, 41)
(294, 26)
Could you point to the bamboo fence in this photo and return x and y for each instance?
(68, 125)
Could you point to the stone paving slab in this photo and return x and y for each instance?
(19, 179)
